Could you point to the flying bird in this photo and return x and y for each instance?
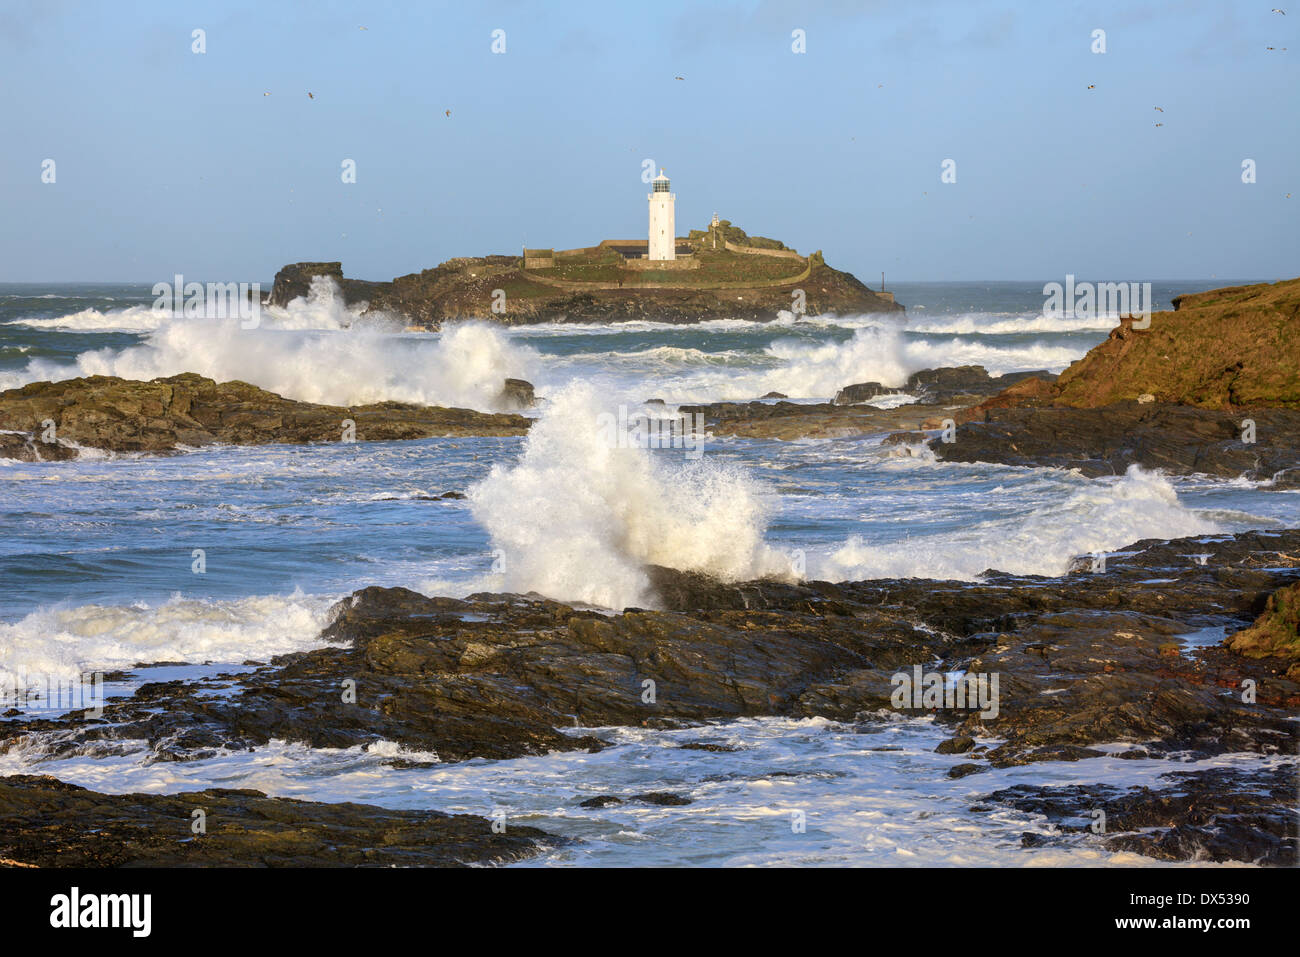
(1160, 108)
(1160, 124)
(309, 93)
(1276, 10)
(1092, 86)
(266, 94)
(449, 112)
(679, 78)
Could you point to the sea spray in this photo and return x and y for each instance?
(578, 517)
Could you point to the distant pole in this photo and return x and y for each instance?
(882, 282)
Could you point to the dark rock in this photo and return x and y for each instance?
(861, 392)
(516, 394)
(294, 282)
(604, 800)
(1217, 814)
(662, 799)
(47, 823)
(1106, 441)
(1080, 660)
(123, 415)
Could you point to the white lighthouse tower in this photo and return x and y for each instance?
(663, 223)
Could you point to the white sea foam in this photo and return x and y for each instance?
(996, 325)
(884, 355)
(1098, 517)
(797, 367)
(315, 351)
(870, 793)
(66, 642)
(576, 519)
(130, 319)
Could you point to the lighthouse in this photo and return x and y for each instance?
(663, 226)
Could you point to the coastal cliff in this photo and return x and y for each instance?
(1231, 348)
(1211, 387)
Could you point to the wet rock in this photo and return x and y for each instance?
(294, 281)
(662, 799)
(1080, 661)
(47, 823)
(516, 394)
(1106, 441)
(860, 392)
(188, 410)
(28, 447)
(944, 385)
(603, 800)
(1217, 814)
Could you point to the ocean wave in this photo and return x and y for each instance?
(577, 519)
(66, 642)
(1099, 517)
(315, 351)
(992, 324)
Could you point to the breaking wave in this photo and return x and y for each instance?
(1099, 517)
(65, 642)
(577, 518)
(315, 351)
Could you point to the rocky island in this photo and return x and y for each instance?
(716, 273)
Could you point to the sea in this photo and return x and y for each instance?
(101, 571)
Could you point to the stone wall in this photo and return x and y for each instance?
(758, 251)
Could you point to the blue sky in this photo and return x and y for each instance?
(170, 161)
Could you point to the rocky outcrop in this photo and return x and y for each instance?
(294, 282)
(789, 421)
(47, 823)
(1223, 349)
(861, 392)
(1276, 633)
(188, 410)
(516, 394)
(1219, 815)
(1212, 387)
(1085, 660)
(941, 386)
(938, 391)
(1176, 438)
